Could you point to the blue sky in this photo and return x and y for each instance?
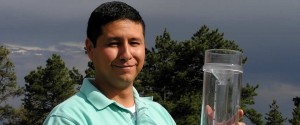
(267, 31)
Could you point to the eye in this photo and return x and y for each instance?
(113, 44)
(134, 43)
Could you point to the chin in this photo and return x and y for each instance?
(126, 77)
(128, 80)
(124, 84)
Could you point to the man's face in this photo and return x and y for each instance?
(119, 53)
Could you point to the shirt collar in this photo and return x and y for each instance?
(100, 101)
(93, 95)
(141, 102)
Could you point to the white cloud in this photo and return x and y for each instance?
(79, 45)
(278, 91)
(63, 47)
(71, 52)
(273, 85)
(15, 46)
(39, 54)
(282, 92)
(20, 51)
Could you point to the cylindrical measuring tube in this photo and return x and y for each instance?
(222, 82)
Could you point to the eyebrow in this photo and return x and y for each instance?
(114, 38)
(121, 39)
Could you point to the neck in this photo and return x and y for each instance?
(123, 96)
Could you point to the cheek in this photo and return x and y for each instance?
(141, 56)
(106, 56)
(109, 54)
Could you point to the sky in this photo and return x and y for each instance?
(266, 30)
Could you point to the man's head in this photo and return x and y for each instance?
(116, 44)
(109, 12)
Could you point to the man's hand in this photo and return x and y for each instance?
(210, 113)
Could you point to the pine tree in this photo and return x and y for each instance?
(8, 84)
(173, 74)
(296, 112)
(76, 77)
(47, 87)
(274, 117)
(90, 72)
(247, 98)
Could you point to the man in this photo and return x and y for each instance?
(116, 46)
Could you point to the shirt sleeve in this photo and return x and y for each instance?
(59, 120)
(170, 119)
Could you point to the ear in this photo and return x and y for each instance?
(89, 47)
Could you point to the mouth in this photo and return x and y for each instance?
(123, 66)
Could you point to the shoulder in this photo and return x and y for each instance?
(75, 102)
(69, 110)
(150, 103)
(158, 112)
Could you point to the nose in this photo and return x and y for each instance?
(125, 52)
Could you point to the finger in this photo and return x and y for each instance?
(241, 113)
(209, 112)
(241, 123)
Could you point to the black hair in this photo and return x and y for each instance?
(109, 12)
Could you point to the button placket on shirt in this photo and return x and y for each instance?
(132, 117)
(129, 117)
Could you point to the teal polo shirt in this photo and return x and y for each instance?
(90, 107)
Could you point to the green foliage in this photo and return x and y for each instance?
(247, 98)
(274, 117)
(8, 84)
(90, 72)
(76, 77)
(173, 73)
(296, 112)
(47, 87)
(296, 101)
(6, 112)
(15, 116)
